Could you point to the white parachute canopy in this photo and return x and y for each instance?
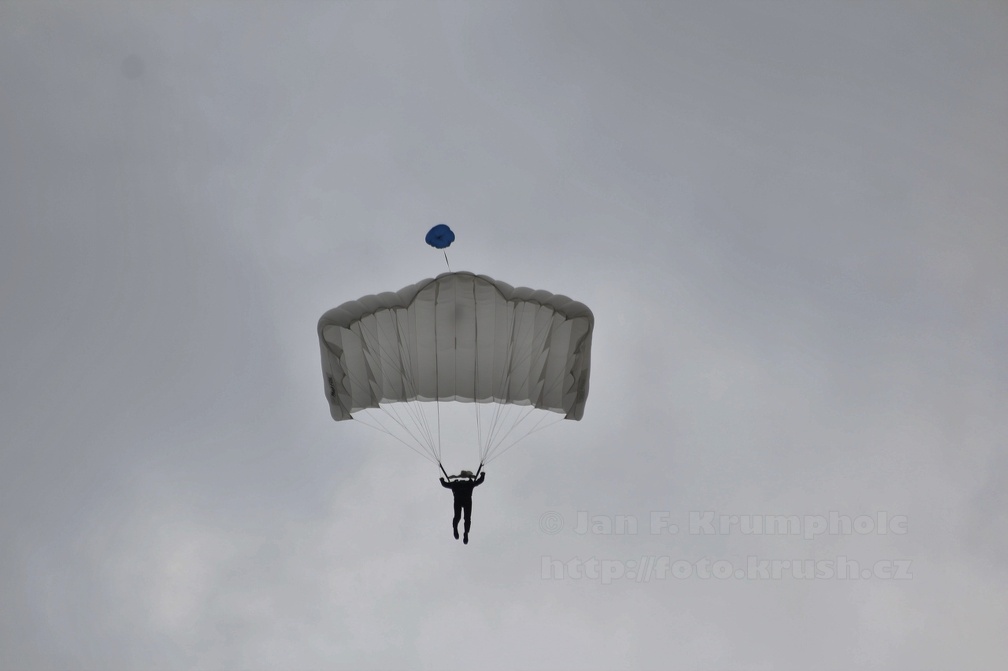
(519, 355)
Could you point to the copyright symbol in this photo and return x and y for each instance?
(551, 522)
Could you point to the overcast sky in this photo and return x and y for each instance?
(788, 219)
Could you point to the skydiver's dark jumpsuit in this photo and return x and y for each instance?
(462, 491)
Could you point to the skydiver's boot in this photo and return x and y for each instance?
(465, 538)
(455, 529)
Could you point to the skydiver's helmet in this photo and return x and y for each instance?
(465, 474)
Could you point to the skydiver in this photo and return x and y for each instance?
(462, 489)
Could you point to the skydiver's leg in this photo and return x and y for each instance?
(458, 515)
(468, 511)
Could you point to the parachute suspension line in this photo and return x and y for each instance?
(505, 385)
(501, 419)
(504, 415)
(405, 353)
(500, 395)
(539, 336)
(418, 421)
(497, 396)
(378, 426)
(508, 427)
(503, 409)
(412, 407)
(505, 429)
(538, 340)
(437, 365)
(427, 453)
(392, 411)
(446, 260)
(438, 401)
(535, 428)
(494, 452)
(476, 381)
(479, 425)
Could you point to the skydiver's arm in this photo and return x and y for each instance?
(479, 480)
(444, 483)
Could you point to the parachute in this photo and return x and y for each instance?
(458, 338)
(440, 236)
